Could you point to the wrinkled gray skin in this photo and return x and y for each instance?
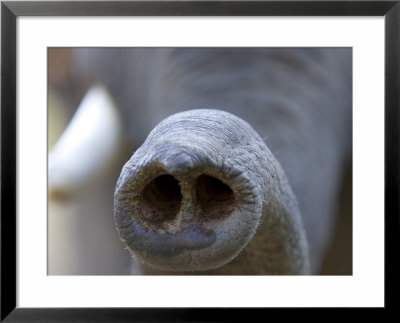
(192, 195)
(297, 100)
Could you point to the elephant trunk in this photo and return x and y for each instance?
(196, 192)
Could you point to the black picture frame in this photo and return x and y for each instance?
(11, 10)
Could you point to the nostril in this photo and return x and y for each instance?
(216, 199)
(161, 199)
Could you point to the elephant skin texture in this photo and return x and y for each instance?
(237, 158)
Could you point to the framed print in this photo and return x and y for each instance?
(258, 143)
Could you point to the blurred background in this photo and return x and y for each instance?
(82, 238)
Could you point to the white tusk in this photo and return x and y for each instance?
(87, 147)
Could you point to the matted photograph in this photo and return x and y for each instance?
(173, 160)
(200, 161)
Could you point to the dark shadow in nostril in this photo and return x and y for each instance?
(216, 199)
(161, 199)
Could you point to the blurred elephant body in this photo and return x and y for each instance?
(298, 100)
